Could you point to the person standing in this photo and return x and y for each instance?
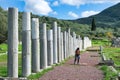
(77, 56)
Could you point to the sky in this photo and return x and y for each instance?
(60, 9)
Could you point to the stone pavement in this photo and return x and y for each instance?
(86, 70)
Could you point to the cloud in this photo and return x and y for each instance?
(55, 13)
(38, 7)
(55, 3)
(72, 2)
(73, 14)
(81, 2)
(88, 13)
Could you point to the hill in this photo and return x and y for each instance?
(109, 17)
(64, 24)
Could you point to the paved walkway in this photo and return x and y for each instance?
(86, 70)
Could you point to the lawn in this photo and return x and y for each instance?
(109, 52)
(3, 48)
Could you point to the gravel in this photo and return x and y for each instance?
(86, 70)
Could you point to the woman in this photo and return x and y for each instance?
(77, 56)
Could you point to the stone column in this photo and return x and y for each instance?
(67, 54)
(71, 45)
(64, 43)
(72, 48)
(84, 43)
(35, 45)
(43, 46)
(55, 59)
(69, 42)
(26, 44)
(62, 50)
(50, 46)
(58, 43)
(12, 42)
(74, 41)
(79, 42)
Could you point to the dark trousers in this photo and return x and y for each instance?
(77, 58)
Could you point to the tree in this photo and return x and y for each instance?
(93, 28)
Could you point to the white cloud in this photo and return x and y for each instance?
(55, 13)
(80, 2)
(73, 14)
(38, 7)
(72, 2)
(88, 13)
(55, 3)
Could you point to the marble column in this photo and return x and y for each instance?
(26, 44)
(35, 45)
(12, 42)
(64, 43)
(58, 43)
(43, 46)
(55, 55)
(50, 46)
(62, 50)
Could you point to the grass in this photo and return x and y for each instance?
(3, 58)
(108, 74)
(109, 52)
(3, 48)
(3, 71)
(3, 65)
(114, 53)
(103, 42)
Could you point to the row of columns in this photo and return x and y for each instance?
(40, 47)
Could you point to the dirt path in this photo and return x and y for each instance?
(86, 70)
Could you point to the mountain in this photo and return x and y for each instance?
(109, 17)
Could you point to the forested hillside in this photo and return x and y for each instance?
(64, 24)
(109, 17)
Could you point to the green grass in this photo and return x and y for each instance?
(3, 58)
(108, 74)
(3, 65)
(3, 48)
(109, 52)
(3, 71)
(103, 42)
(114, 53)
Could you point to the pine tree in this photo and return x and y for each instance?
(93, 28)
